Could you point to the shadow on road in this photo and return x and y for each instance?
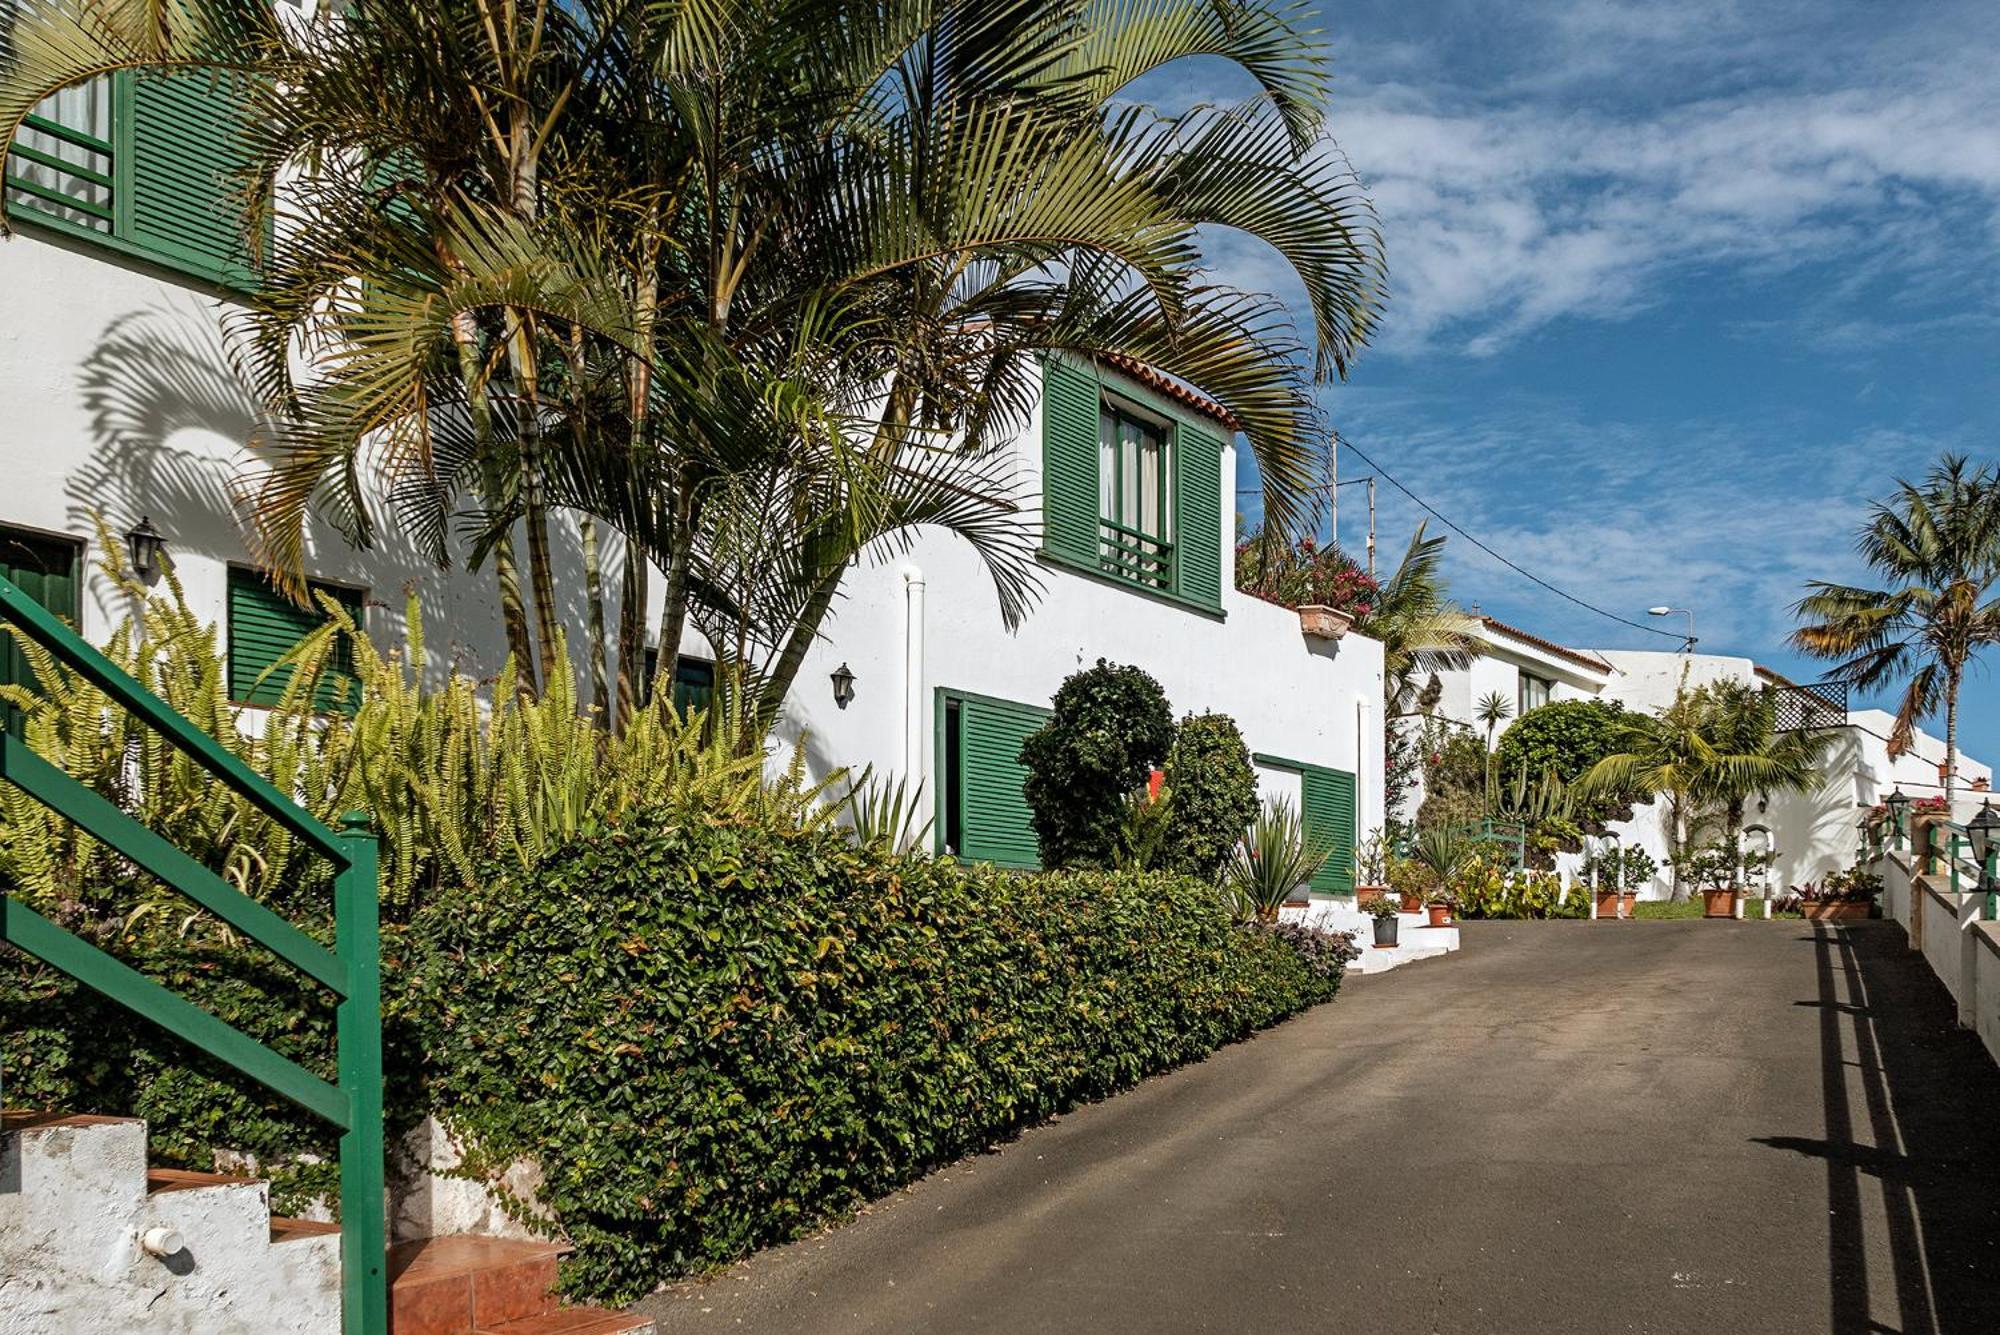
(1912, 1109)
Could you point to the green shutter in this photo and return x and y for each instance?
(183, 152)
(1198, 515)
(45, 570)
(694, 684)
(1069, 462)
(1327, 796)
(993, 805)
(264, 626)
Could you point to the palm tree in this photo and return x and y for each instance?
(1937, 544)
(792, 250)
(1705, 755)
(1420, 629)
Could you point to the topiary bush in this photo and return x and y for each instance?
(714, 1036)
(1109, 728)
(1213, 794)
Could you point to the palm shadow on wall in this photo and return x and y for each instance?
(175, 431)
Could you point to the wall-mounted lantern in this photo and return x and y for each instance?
(843, 685)
(145, 544)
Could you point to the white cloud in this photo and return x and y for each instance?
(1510, 208)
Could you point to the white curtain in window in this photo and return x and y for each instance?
(85, 108)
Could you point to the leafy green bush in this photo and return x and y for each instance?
(1109, 728)
(1565, 738)
(713, 1036)
(1482, 889)
(1214, 794)
(1632, 867)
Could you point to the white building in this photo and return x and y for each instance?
(1809, 834)
(123, 404)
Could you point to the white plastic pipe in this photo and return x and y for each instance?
(916, 730)
(162, 1242)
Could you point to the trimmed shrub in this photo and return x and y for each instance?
(1110, 727)
(1213, 794)
(1566, 738)
(714, 1037)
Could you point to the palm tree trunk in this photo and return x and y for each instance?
(771, 695)
(534, 499)
(1951, 685)
(593, 583)
(1676, 844)
(632, 637)
(673, 611)
(493, 492)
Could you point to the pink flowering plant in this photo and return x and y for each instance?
(1304, 573)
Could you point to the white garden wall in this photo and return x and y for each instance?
(1962, 949)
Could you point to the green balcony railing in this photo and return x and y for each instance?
(351, 970)
(1133, 554)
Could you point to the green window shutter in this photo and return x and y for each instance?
(183, 150)
(694, 684)
(264, 626)
(1069, 462)
(1327, 795)
(45, 570)
(1198, 515)
(992, 802)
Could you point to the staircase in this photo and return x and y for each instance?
(92, 1239)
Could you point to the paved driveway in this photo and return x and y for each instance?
(1593, 1127)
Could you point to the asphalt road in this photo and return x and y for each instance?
(1591, 1127)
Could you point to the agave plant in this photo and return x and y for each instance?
(889, 817)
(1274, 860)
(1442, 851)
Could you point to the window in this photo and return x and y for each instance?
(1130, 492)
(1326, 808)
(694, 681)
(1134, 496)
(143, 164)
(1534, 694)
(44, 568)
(265, 625)
(981, 786)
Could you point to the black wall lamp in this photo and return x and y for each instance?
(843, 685)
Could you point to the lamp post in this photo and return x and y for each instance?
(1898, 803)
(1980, 830)
(1687, 644)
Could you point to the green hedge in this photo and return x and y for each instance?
(711, 1035)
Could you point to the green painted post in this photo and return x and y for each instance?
(1986, 878)
(364, 1304)
(1952, 854)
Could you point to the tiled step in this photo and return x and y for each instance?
(574, 1321)
(474, 1285)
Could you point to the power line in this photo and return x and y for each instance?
(1528, 575)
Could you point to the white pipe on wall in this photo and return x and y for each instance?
(916, 721)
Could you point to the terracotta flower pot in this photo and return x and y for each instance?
(1364, 895)
(1440, 914)
(1607, 904)
(1324, 623)
(1830, 910)
(1718, 903)
(1628, 900)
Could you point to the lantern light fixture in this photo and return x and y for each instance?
(145, 545)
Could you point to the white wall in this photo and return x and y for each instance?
(121, 401)
(1312, 701)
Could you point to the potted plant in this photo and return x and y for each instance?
(1635, 868)
(1273, 861)
(1383, 911)
(1607, 901)
(1371, 868)
(1840, 895)
(1324, 623)
(1713, 868)
(1439, 905)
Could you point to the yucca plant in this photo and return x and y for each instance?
(1274, 860)
(889, 817)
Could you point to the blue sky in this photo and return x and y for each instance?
(1676, 289)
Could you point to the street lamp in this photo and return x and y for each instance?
(1898, 803)
(1980, 830)
(144, 543)
(1688, 644)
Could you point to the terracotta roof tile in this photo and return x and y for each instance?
(1173, 389)
(1591, 661)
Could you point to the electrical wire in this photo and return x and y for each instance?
(1528, 575)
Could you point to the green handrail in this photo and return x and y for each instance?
(351, 970)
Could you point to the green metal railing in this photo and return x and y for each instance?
(1948, 852)
(351, 970)
(1135, 555)
(1503, 832)
(81, 176)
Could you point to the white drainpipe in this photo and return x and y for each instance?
(916, 733)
